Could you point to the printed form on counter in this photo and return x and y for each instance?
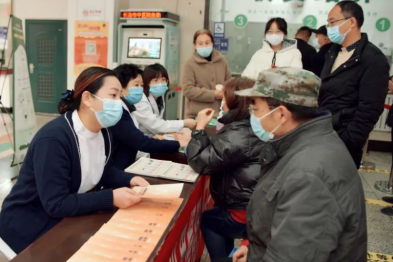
(133, 233)
(163, 169)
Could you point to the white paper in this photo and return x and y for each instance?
(160, 191)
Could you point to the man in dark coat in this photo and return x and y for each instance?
(324, 44)
(308, 52)
(308, 205)
(354, 79)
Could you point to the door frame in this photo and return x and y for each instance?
(64, 25)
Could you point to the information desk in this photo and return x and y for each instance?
(181, 241)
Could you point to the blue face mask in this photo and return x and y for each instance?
(204, 51)
(134, 95)
(158, 90)
(258, 129)
(111, 113)
(334, 34)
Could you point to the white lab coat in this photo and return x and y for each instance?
(151, 120)
(289, 56)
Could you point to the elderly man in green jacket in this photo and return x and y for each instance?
(309, 204)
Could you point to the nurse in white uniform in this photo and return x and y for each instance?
(150, 110)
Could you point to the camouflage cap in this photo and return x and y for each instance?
(287, 84)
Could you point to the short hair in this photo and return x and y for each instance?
(237, 102)
(352, 9)
(299, 113)
(151, 72)
(127, 72)
(281, 24)
(305, 29)
(203, 32)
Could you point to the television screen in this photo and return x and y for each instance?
(144, 48)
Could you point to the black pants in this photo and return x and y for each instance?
(356, 154)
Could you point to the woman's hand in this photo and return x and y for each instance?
(183, 137)
(159, 137)
(125, 197)
(218, 94)
(241, 254)
(190, 123)
(138, 181)
(204, 117)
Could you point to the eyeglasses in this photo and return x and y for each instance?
(331, 24)
(251, 110)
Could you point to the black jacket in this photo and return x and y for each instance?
(308, 205)
(308, 53)
(231, 158)
(355, 92)
(319, 59)
(128, 140)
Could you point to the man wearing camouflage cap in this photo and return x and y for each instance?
(308, 205)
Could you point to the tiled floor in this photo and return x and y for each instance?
(380, 227)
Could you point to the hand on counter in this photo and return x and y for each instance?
(125, 197)
(183, 137)
(204, 117)
(138, 181)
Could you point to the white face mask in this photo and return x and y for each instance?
(275, 39)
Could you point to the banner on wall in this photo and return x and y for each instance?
(23, 109)
(91, 45)
(312, 13)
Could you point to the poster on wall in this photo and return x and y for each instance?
(23, 109)
(91, 45)
(91, 10)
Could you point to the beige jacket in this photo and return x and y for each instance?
(199, 81)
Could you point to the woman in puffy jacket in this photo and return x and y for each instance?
(232, 159)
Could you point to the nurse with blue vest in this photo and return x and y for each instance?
(66, 171)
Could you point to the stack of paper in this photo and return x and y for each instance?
(131, 234)
(164, 169)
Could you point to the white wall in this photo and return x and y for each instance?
(40, 9)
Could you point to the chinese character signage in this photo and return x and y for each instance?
(221, 44)
(91, 45)
(91, 10)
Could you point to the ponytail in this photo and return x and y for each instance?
(66, 102)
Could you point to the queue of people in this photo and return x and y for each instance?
(283, 169)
